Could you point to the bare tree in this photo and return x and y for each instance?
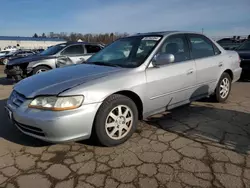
(35, 36)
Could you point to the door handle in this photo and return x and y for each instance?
(191, 71)
(220, 64)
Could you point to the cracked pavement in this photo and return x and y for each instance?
(204, 144)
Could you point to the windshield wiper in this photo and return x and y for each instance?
(104, 63)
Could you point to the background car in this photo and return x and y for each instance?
(230, 43)
(14, 55)
(54, 57)
(244, 53)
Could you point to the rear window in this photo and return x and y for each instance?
(201, 47)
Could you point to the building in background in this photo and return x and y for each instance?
(28, 42)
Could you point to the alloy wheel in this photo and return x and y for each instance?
(224, 88)
(119, 122)
(40, 71)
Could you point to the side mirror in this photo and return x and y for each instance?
(163, 59)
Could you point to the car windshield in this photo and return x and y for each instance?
(53, 50)
(127, 52)
(245, 46)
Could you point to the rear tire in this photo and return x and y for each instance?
(116, 120)
(223, 88)
(40, 69)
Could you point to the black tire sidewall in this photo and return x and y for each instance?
(218, 97)
(104, 110)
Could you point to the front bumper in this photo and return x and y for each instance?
(13, 72)
(16, 71)
(54, 127)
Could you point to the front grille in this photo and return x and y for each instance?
(30, 129)
(17, 99)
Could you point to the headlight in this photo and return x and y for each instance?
(56, 103)
(5, 61)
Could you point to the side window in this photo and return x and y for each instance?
(20, 54)
(92, 48)
(201, 46)
(29, 53)
(73, 50)
(216, 50)
(176, 45)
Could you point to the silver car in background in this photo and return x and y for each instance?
(130, 79)
(60, 55)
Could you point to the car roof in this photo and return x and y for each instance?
(85, 43)
(164, 33)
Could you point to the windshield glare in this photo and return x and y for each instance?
(127, 52)
(245, 46)
(53, 50)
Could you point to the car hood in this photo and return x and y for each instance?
(58, 80)
(28, 59)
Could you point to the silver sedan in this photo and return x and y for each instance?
(131, 79)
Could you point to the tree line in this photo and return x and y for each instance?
(73, 37)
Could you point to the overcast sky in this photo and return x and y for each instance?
(217, 17)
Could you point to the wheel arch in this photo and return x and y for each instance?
(135, 98)
(230, 72)
(42, 65)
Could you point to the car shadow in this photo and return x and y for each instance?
(10, 133)
(208, 122)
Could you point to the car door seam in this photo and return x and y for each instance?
(179, 90)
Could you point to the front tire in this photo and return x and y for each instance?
(223, 88)
(116, 120)
(40, 69)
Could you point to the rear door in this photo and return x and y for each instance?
(73, 54)
(208, 62)
(172, 84)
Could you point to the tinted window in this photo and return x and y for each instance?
(74, 50)
(200, 46)
(92, 48)
(53, 49)
(225, 41)
(245, 45)
(20, 53)
(29, 53)
(176, 45)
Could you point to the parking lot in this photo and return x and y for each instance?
(204, 144)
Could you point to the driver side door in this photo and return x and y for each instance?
(170, 85)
